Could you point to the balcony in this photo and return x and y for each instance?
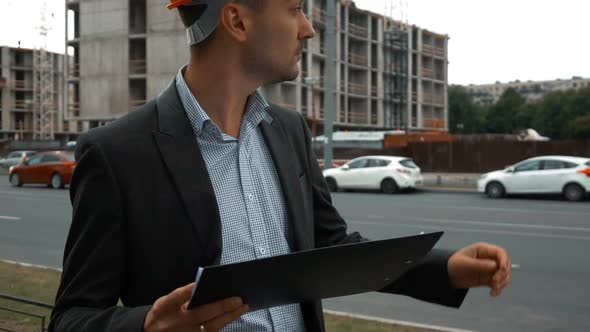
(357, 59)
(374, 91)
(357, 118)
(357, 30)
(358, 89)
(21, 126)
(427, 72)
(433, 99)
(439, 51)
(137, 66)
(21, 85)
(74, 70)
(318, 48)
(74, 109)
(22, 105)
(319, 15)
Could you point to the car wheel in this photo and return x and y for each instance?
(573, 192)
(495, 190)
(389, 186)
(15, 180)
(56, 181)
(332, 185)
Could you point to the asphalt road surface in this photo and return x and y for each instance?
(548, 240)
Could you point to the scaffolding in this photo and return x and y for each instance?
(396, 75)
(44, 98)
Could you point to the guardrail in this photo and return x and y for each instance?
(42, 319)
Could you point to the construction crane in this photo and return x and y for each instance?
(44, 98)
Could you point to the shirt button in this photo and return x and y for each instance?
(251, 197)
(262, 251)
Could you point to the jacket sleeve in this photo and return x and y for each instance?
(94, 256)
(428, 280)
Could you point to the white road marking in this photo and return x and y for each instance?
(499, 224)
(9, 218)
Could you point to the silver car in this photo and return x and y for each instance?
(15, 158)
(569, 176)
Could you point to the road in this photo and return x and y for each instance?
(548, 240)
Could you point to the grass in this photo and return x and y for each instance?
(41, 285)
(26, 282)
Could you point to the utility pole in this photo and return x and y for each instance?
(330, 81)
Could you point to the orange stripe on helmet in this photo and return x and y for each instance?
(177, 3)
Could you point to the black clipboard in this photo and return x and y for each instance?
(312, 274)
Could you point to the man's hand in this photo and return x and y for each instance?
(169, 313)
(480, 264)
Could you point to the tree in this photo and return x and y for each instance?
(501, 117)
(464, 116)
(580, 127)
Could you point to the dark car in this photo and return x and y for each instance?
(53, 168)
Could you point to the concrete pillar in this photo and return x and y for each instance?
(5, 93)
(419, 81)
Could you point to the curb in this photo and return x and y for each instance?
(448, 190)
(396, 322)
(31, 265)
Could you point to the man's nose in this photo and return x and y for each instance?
(307, 31)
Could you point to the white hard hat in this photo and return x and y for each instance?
(208, 21)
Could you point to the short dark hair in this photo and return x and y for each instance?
(190, 14)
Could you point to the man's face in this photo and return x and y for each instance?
(276, 41)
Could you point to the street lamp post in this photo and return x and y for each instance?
(330, 81)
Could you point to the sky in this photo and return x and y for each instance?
(490, 40)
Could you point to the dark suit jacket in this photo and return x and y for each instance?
(145, 217)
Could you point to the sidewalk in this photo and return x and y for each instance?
(454, 182)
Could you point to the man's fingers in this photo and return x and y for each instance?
(490, 251)
(179, 296)
(484, 266)
(220, 322)
(213, 310)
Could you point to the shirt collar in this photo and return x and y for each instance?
(255, 107)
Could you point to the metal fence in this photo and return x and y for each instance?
(471, 156)
(41, 318)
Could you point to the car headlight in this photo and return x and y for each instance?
(483, 176)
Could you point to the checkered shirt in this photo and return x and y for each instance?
(249, 197)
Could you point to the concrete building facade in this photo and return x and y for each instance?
(389, 75)
(32, 95)
(489, 94)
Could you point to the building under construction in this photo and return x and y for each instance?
(32, 95)
(390, 75)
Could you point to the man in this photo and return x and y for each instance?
(209, 173)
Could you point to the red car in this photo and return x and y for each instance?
(53, 168)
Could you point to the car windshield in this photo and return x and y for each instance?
(409, 163)
(70, 156)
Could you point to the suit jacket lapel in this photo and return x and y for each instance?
(288, 171)
(181, 153)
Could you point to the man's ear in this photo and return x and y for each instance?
(236, 20)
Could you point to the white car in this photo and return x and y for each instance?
(14, 158)
(386, 173)
(569, 176)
